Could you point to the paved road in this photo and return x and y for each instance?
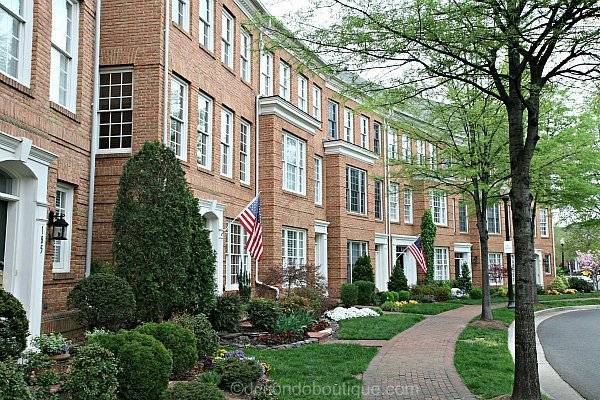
(571, 344)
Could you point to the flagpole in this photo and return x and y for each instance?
(233, 220)
(404, 251)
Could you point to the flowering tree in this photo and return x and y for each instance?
(590, 262)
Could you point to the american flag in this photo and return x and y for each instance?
(251, 220)
(416, 249)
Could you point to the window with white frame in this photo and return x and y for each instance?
(181, 13)
(245, 56)
(355, 249)
(293, 246)
(493, 219)
(63, 69)
(205, 118)
(115, 110)
(316, 102)
(378, 200)
(348, 125)
(544, 222)
(237, 257)
(61, 261)
(318, 180)
(207, 21)
(266, 73)
(293, 157)
(227, 32)
(392, 145)
(408, 205)
(432, 156)
(245, 152)
(441, 264)
(332, 119)
(394, 207)
(463, 218)
(547, 265)
(377, 137)
(356, 190)
(495, 269)
(16, 27)
(438, 204)
(179, 112)
(406, 148)
(302, 93)
(226, 143)
(421, 152)
(534, 222)
(364, 132)
(284, 80)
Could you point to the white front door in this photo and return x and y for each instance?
(381, 268)
(3, 216)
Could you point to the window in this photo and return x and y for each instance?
(245, 58)
(377, 137)
(16, 27)
(179, 118)
(496, 271)
(440, 264)
(293, 246)
(392, 145)
(316, 101)
(534, 222)
(302, 93)
(205, 118)
(284, 80)
(406, 148)
(266, 73)
(408, 205)
(544, 222)
(437, 202)
(355, 249)
(332, 119)
(238, 258)
(293, 157)
(421, 152)
(181, 13)
(493, 219)
(348, 125)
(245, 152)
(318, 180)
(356, 190)
(364, 131)
(115, 111)
(62, 248)
(63, 70)
(226, 143)
(432, 156)
(207, 17)
(394, 206)
(463, 219)
(227, 39)
(547, 265)
(378, 197)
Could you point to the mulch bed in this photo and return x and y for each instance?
(489, 324)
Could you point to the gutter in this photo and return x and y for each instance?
(166, 73)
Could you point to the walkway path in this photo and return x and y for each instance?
(419, 362)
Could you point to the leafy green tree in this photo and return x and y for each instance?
(398, 279)
(428, 230)
(160, 245)
(363, 270)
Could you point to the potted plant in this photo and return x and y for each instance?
(54, 346)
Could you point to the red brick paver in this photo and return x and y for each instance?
(419, 362)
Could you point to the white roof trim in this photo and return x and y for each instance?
(381, 238)
(351, 150)
(403, 240)
(462, 247)
(25, 149)
(275, 105)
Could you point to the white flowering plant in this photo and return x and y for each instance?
(340, 313)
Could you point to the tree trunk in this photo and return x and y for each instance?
(481, 211)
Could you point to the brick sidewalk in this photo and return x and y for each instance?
(419, 362)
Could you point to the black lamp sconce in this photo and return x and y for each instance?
(475, 259)
(59, 226)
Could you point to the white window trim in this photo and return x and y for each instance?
(392, 145)
(377, 137)
(318, 180)
(73, 56)
(303, 93)
(209, 128)
(432, 156)
(394, 204)
(544, 225)
(496, 208)
(466, 217)
(266, 73)
(25, 43)
(444, 273)
(120, 150)
(406, 148)
(65, 245)
(317, 103)
(364, 131)
(186, 14)
(244, 256)
(207, 21)
(247, 153)
(362, 192)
(380, 199)
(227, 38)
(246, 56)
(184, 133)
(421, 156)
(336, 122)
(408, 217)
(227, 144)
(442, 220)
(300, 259)
(364, 250)
(284, 80)
(500, 282)
(300, 155)
(348, 125)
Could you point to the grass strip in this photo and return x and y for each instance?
(383, 327)
(429, 308)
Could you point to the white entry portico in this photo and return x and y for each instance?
(213, 216)
(399, 245)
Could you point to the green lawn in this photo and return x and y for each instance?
(573, 303)
(429, 308)
(383, 327)
(551, 297)
(475, 302)
(318, 371)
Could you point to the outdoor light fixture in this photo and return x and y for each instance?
(59, 226)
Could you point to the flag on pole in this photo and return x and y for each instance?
(416, 249)
(251, 220)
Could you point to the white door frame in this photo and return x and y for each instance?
(321, 229)
(410, 264)
(213, 213)
(465, 249)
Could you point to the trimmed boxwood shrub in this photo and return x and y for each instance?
(475, 293)
(207, 339)
(227, 314)
(363, 270)
(403, 295)
(558, 284)
(263, 313)
(238, 374)
(389, 296)
(349, 294)
(193, 391)
(389, 306)
(93, 374)
(580, 285)
(14, 326)
(145, 364)
(12, 382)
(366, 291)
(428, 293)
(104, 301)
(180, 341)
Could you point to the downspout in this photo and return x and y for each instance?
(166, 73)
(388, 224)
(94, 142)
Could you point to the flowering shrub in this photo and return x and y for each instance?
(553, 292)
(274, 339)
(590, 265)
(318, 326)
(341, 313)
(570, 291)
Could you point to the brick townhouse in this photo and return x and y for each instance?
(193, 75)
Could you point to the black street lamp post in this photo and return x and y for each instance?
(511, 293)
(562, 254)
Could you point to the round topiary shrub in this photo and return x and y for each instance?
(475, 294)
(558, 284)
(104, 300)
(14, 326)
(193, 391)
(403, 295)
(580, 285)
(263, 313)
(207, 339)
(349, 294)
(12, 382)
(389, 306)
(180, 341)
(93, 375)
(238, 374)
(227, 314)
(145, 364)
(366, 292)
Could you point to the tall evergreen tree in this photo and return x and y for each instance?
(428, 230)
